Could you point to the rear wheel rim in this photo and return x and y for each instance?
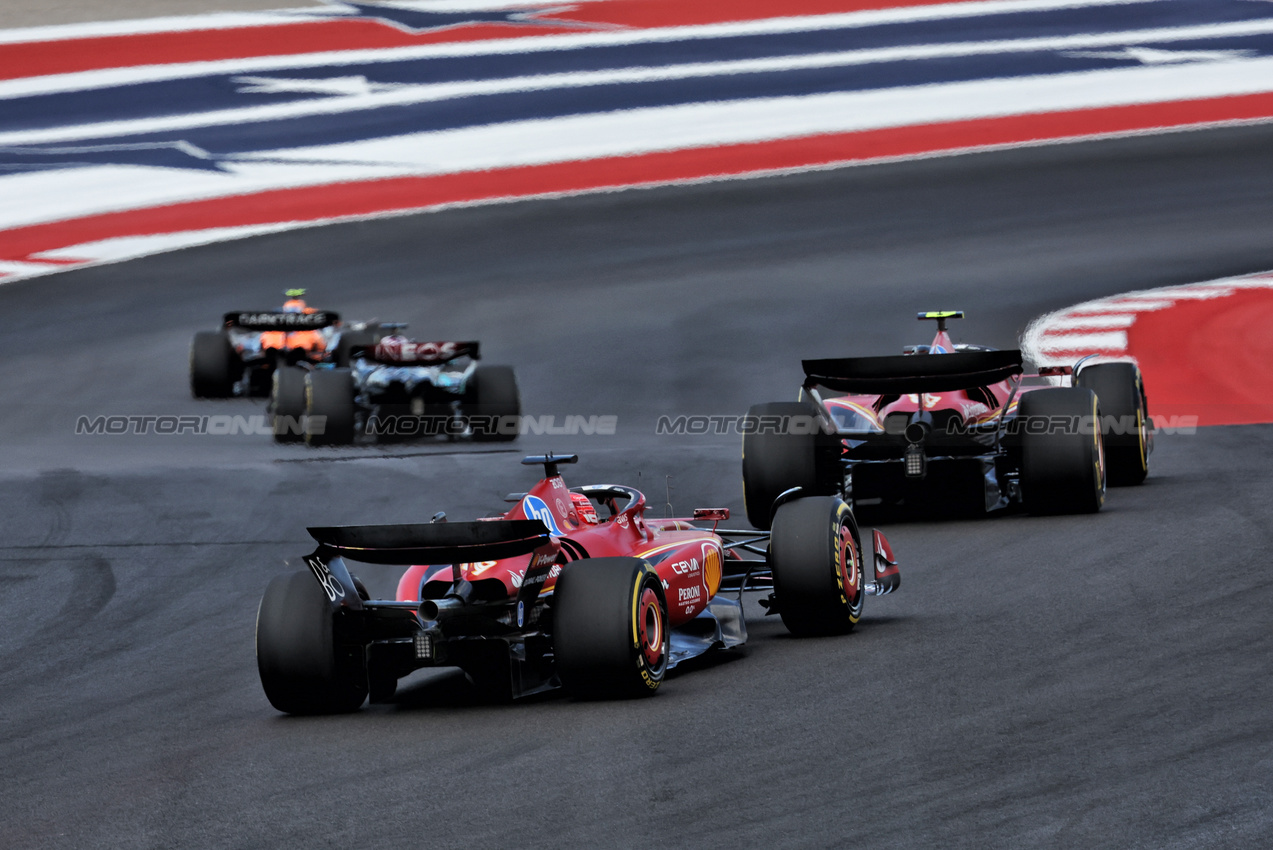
(850, 572)
(651, 627)
(1099, 440)
(1143, 441)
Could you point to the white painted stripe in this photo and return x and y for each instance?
(122, 248)
(147, 26)
(1112, 87)
(41, 197)
(1099, 307)
(1108, 341)
(8, 267)
(711, 124)
(255, 65)
(1142, 305)
(1069, 355)
(1191, 293)
(1042, 345)
(190, 23)
(48, 196)
(1092, 322)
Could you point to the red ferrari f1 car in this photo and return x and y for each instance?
(555, 594)
(946, 425)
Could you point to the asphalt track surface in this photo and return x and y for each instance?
(1098, 681)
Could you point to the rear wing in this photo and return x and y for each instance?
(433, 543)
(405, 352)
(917, 373)
(253, 321)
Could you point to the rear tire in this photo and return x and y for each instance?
(287, 404)
(214, 365)
(329, 393)
(304, 669)
(492, 394)
(611, 634)
(1120, 391)
(776, 462)
(350, 340)
(816, 554)
(1062, 466)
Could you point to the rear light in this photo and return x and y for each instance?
(424, 647)
(915, 461)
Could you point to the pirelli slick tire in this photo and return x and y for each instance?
(304, 668)
(783, 447)
(492, 404)
(1062, 453)
(1120, 392)
(611, 633)
(214, 365)
(816, 554)
(329, 407)
(287, 404)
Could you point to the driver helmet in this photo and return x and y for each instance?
(584, 507)
(294, 302)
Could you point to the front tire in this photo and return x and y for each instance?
(1062, 453)
(213, 363)
(611, 634)
(304, 669)
(775, 459)
(329, 393)
(816, 554)
(1120, 390)
(287, 404)
(492, 394)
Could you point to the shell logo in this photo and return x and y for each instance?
(711, 568)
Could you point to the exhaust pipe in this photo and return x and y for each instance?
(433, 609)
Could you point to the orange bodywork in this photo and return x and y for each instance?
(312, 341)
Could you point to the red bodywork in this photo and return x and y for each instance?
(973, 405)
(688, 560)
